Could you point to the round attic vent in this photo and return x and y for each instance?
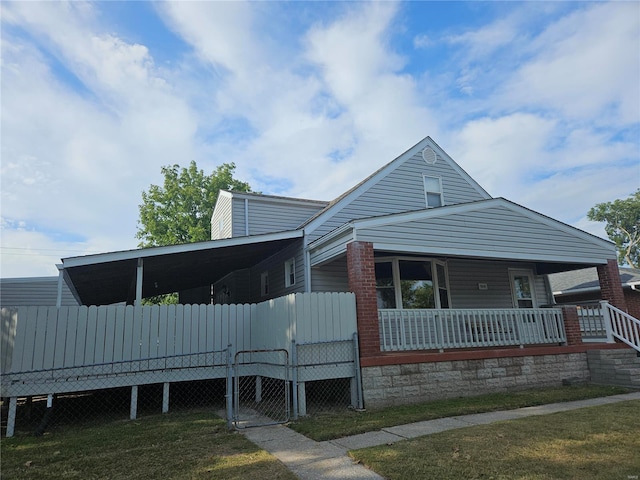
(429, 156)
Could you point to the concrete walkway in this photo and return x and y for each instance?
(311, 460)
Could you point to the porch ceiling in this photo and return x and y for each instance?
(111, 277)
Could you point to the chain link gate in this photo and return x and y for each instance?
(261, 388)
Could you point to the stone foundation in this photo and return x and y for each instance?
(419, 382)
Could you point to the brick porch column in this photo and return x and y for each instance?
(611, 285)
(572, 324)
(362, 282)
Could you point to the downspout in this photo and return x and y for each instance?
(246, 217)
(307, 264)
(547, 286)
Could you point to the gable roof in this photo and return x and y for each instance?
(347, 197)
(494, 228)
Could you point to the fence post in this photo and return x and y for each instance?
(229, 391)
(606, 319)
(165, 397)
(133, 411)
(356, 361)
(11, 419)
(294, 378)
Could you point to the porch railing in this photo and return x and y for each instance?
(440, 329)
(623, 326)
(592, 322)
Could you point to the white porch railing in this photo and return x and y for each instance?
(623, 326)
(447, 328)
(592, 322)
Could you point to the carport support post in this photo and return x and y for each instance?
(11, 418)
(139, 275)
(59, 294)
(165, 397)
(133, 412)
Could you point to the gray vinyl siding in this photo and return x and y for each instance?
(403, 190)
(221, 213)
(267, 215)
(275, 266)
(465, 275)
(492, 232)
(331, 277)
(337, 246)
(36, 291)
(239, 224)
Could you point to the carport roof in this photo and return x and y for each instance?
(111, 277)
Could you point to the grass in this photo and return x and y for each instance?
(172, 446)
(590, 443)
(340, 424)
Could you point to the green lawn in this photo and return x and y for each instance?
(197, 444)
(595, 443)
(340, 424)
(172, 446)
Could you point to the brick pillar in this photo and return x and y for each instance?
(362, 282)
(572, 324)
(611, 285)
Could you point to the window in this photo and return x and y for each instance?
(433, 191)
(264, 284)
(290, 272)
(522, 289)
(411, 283)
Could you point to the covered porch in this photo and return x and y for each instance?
(469, 276)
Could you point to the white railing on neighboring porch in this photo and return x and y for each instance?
(445, 329)
(622, 326)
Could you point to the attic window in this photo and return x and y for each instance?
(433, 191)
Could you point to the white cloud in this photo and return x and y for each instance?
(586, 66)
(89, 117)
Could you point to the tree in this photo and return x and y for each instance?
(622, 219)
(180, 211)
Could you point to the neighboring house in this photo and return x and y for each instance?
(579, 286)
(34, 291)
(449, 282)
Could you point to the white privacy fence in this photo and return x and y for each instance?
(84, 339)
(448, 328)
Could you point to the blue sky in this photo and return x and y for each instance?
(539, 102)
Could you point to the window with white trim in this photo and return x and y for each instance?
(522, 288)
(433, 191)
(264, 284)
(411, 283)
(290, 272)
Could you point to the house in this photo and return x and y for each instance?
(580, 286)
(451, 287)
(34, 291)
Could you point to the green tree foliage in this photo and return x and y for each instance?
(622, 219)
(180, 210)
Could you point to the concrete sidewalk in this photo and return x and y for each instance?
(311, 460)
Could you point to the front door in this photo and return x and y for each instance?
(522, 289)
